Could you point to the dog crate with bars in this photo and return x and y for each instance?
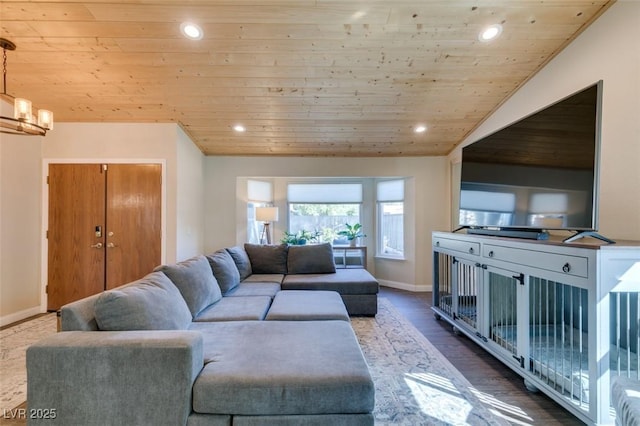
(548, 310)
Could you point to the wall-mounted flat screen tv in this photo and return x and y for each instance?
(539, 173)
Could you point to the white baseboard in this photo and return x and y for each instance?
(19, 316)
(405, 286)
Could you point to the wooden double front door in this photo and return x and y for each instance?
(104, 227)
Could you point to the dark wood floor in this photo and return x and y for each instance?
(484, 372)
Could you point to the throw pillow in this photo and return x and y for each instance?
(241, 258)
(151, 303)
(267, 259)
(196, 282)
(311, 259)
(225, 270)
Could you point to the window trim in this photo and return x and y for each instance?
(379, 232)
(259, 194)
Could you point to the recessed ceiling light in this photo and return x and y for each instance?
(490, 33)
(420, 128)
(239, 128)
(191, 31)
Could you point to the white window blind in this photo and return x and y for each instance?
(487, 201)
(548, 203)
(258, 190)
(391, 190)
(324, 193)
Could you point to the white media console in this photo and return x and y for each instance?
(551, 311)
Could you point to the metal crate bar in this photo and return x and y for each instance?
(625, 326)
(444, 294)
(467, 293)
(502, 311)
(558, 337)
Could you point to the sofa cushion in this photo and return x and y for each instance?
(225, 270)
(151, 303)
(311, 259)
(236, 309)
(254, 289)
(264, 278)
(267, 259)
(79, 315)
(344, 281)
(241, 258)
(194, 278)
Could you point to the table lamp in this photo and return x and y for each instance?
(266, 215)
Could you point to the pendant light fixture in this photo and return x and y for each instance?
(23, 121)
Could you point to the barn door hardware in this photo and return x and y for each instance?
(519, 278)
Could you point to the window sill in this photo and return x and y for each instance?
(384, 257)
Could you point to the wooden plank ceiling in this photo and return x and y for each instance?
(305, 77)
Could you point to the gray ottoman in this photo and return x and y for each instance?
(303, 305)
(358, 288)
(283, 371)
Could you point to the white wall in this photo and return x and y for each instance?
(20, 212)
(426, 206)
(23, 270)
(608, 50)
(189, 198)
(115, 142)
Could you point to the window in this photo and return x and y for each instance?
(259, 194)
(390, 199)
(323, 209)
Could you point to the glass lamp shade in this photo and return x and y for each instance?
(22, 109)
(28, 125)
(45, 119)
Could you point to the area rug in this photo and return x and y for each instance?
(14, 342)
(415, 384)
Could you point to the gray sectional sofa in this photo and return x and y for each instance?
(308, 267)
(213, 340)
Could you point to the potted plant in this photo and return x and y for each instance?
(353, 232)
(300, 238)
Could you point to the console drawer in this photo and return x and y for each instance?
(571, 265)
(457, 245)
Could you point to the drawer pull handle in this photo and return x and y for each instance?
(471, 250)
(491, 253)
(437, 243)
(566, 267)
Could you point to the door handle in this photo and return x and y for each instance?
(111, 245)
(97, 245)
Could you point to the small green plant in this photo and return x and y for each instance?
(352, 232)
(300, 238)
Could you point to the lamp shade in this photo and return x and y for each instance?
(22, 109)
(45, 119)
(267, 214)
